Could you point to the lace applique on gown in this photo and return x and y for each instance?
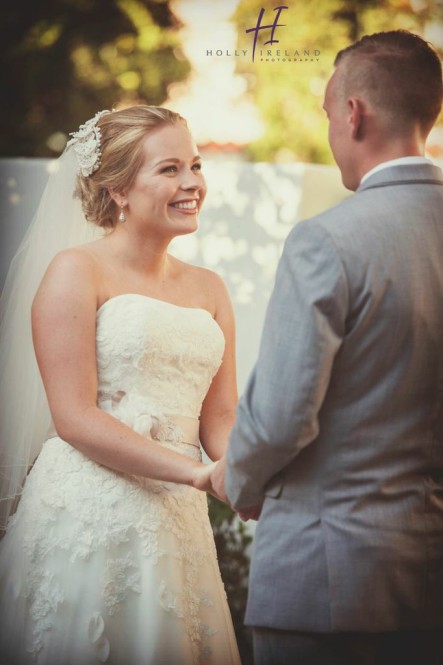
(99, 566)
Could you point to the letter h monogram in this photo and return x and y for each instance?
(273, 27)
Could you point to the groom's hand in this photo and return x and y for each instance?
(218, 486)
(252, 513)
(218, 480)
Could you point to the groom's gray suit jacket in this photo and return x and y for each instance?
(341, 425)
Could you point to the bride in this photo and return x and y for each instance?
(109, 556)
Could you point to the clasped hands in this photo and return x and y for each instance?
(211, 478)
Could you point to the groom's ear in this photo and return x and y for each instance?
(356, 116)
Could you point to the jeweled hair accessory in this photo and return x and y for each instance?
(86, 142)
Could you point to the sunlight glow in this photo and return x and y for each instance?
(214, 99)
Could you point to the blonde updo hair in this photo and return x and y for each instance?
(122, 136)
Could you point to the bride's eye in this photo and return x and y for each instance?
(197, 166)
(169, 169)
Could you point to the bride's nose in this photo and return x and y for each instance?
(192, 180)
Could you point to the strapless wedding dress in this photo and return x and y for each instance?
(102, 567)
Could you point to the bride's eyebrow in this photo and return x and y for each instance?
(175, 160)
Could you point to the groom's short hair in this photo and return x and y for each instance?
(399, 74)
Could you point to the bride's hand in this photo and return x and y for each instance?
(202, 477)
(218, 480)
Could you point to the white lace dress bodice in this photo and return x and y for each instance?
(99, 566)
(168, 360)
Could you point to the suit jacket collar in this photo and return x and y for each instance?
(404, 174)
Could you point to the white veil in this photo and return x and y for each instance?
(24, 412)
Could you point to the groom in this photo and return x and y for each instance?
(339, 435)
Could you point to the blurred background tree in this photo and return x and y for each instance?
(290, 95)
(233, 541)
(64, 59)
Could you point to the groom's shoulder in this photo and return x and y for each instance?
(394, 193)
(347, 222)
(355, 208)
(334, 222)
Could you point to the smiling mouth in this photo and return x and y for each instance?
(185, 205)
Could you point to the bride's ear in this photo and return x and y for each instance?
(118, 197)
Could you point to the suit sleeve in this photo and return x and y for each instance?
(304, 327)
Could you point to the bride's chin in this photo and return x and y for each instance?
(186, 229)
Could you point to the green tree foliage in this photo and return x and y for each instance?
(65, 59)
(233, 541)
(289, 95)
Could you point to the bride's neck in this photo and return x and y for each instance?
(141, 254)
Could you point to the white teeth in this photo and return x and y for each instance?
(186, 205)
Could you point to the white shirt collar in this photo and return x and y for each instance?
(400, 161)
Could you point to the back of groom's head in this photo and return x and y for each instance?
(400, 76)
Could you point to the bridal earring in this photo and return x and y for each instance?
(122, 216)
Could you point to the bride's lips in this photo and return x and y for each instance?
(186, 206)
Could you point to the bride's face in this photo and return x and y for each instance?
(168, 190)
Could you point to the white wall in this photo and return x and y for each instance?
(249, 211)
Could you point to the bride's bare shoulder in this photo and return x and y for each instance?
(196, 274)
(207, 286)
(72, 274)
(87, 254)
(87, 259)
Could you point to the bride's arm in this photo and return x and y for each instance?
(64, 329)
(219, 406)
